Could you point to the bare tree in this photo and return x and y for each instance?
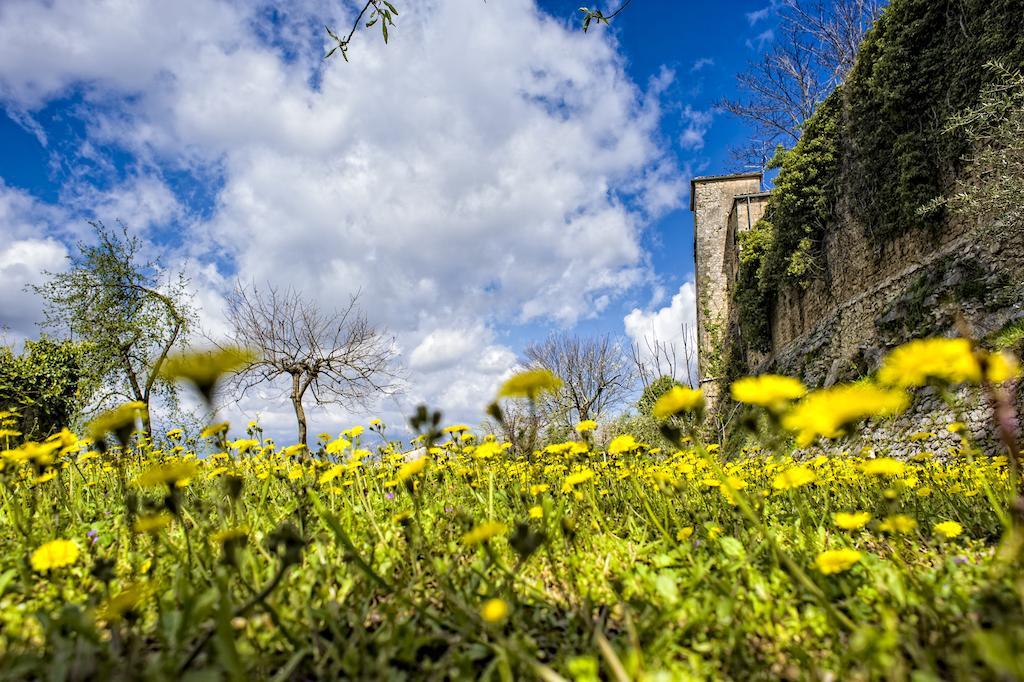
(834, 28)
(814, 51)
(338, 357)
(658, 357)
(595, 373)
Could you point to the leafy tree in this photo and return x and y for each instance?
(46, 385)
(129, 311)
(381, 12)
(657, 388)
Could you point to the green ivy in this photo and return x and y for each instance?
(880, 140)
(922, 63)
(784, 246)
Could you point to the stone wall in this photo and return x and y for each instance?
(875, 295)
(711, 200)
(925, 426)
(960, 276)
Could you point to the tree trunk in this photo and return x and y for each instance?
(300, 413)
(147, 422)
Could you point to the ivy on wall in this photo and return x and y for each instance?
(921, 64)
(881, 141)
(783, 247)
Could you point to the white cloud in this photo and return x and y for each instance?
(701, 64)
(22, 263)
(489, 166)
(674, 325)
(761, 39)
(101, 44)
(758, 15)
(697, 124)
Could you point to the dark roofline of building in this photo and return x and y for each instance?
(716, 178)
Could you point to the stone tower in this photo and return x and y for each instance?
(723, 206)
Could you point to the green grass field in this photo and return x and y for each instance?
(478, 560)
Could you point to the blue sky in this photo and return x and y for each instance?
(490, 176)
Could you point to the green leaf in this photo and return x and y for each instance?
(6, 578)
(732, 547)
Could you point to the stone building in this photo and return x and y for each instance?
(723, 206)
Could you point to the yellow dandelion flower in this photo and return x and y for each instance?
(413, 468)
(530, 384)
(918, 362)
(622, 444)
(152, 523)
(827, 412)
(573, 480)
(883, 466)
(898, 523)
(229, 534)
(948, 529)
(293, 450)
(536, 512)
(539, 489)
(168, 473)
(684, 533)
(768, 390)
(730, 486)
(483, 533)
(586, 426)
(1001, 367)
(214, 430)
(851, 520)
(245, 445)
(837, 560)
(205, 369)
(123, 603)
(331, 474)
(794, 477)
(677, 400)
(48, 476)
(487, 450)
(494, 610)
(54, 554)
